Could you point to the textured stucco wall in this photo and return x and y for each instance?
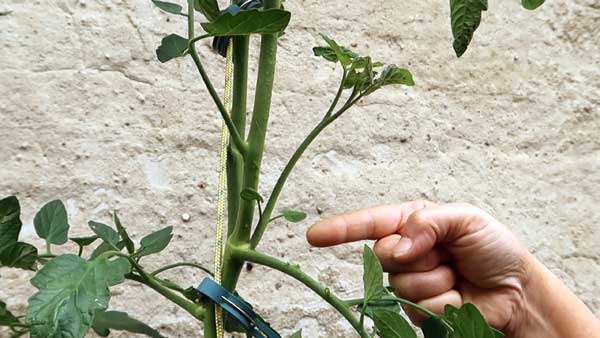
(89, 116)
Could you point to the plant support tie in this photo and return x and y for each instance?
(236, 308)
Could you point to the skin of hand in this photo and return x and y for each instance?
(457, 253)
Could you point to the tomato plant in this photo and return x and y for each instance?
(74, 289)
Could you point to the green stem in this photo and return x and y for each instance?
(48, 248)
(235, 161)
(296, 273)
(260, 229)
(175, 265)
(337, 95)
(391, 299)
(235, 136)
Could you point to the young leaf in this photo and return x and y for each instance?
(251, 195)
(294, 216)
(297, 334)
(168, 7)
(108, 234)
(392, 325)
(51, 223)
(124, 235)
(210, 8)
(20, 255)
(532, 4)
(155, 242)
(393, 75)
(468, 322)
(10, 222)
(372, 276)
(465, 18)
(270, 21)
(343, 55)
(104, 321)
(6, 317)
(171, 46)
(329, 54)
(104, 247)
(71, 289)
(432, 327)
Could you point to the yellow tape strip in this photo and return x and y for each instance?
(222, 187)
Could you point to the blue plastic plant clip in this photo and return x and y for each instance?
(236, 308)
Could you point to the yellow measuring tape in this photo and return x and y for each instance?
(222, 187)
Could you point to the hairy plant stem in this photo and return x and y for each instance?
(295, 272)
(271, 203)
(235, 160)
(175, 265)
(235, 136)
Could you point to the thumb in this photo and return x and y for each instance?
(425, 228)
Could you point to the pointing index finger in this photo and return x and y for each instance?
(372, 223)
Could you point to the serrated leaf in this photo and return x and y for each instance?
(104, 321)
(329, 54)
(10, 222)
(342, 54)
(6, 317)
(294, 216)
(155, 242)
(392, 325)
(51, 223)
(71, 289)
(168, 7)
(372, 276)
(392, 75)
(108, 234)
(433, 327)
(297, 334)
(210, 8)
(248, 194)
(20, 255)
(468, 322)
(532, 4)
(381, 305)
(465, 19)
(124, 235)
(171, 46)
(254, 21)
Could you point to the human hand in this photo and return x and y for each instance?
(440, 254)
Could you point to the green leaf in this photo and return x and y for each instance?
(171, 46)
(108, 234)
(532, 4)
(433, 327)
(297, 334)
(392, 75)
(51, 223)
(381, 305)
(155, 242)
(168, 7)
(6, 317)
(249, 194)
(210, 8)
(342, 54)
(372, 276)
(124, 235)
(20, 255)
(254, 21)
(294, 216)
(84, 241)
(71, 289)
(10, 222)
(468, 322)
(104, 321)
(104, 247)
(392, 325)
(465, 18)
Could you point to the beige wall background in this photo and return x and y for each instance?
(88, 115)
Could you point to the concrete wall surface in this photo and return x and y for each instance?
(88, 115)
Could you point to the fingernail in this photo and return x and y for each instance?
(402, 248)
